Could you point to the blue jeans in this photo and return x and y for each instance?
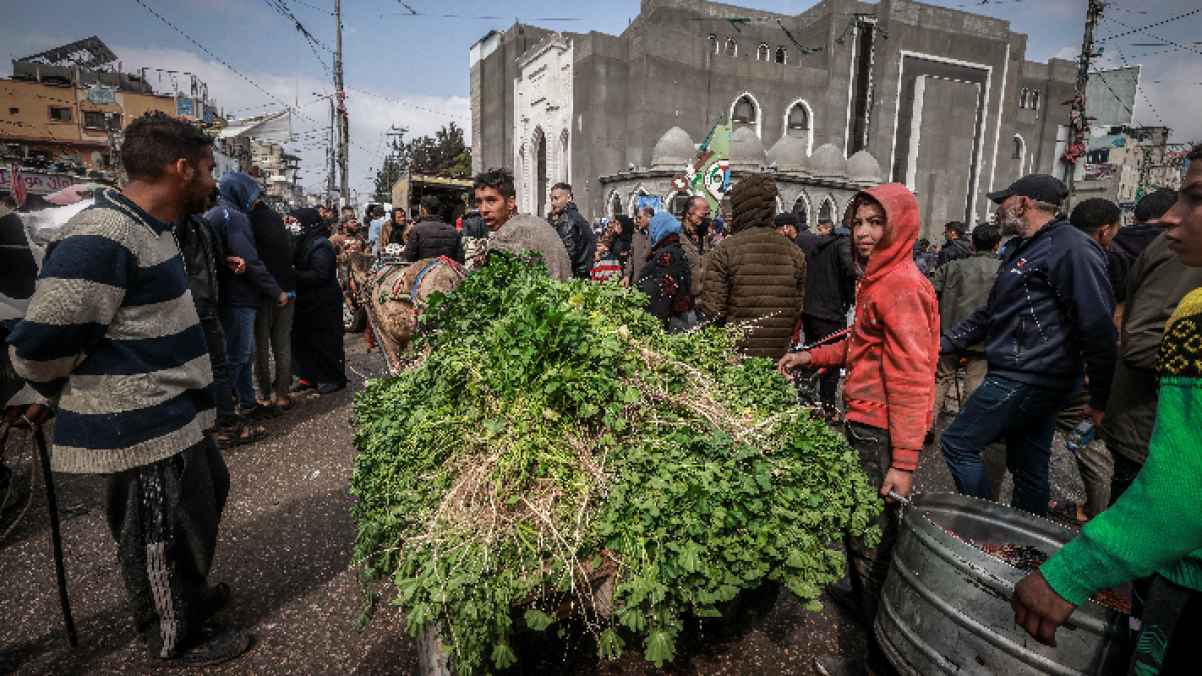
(239, 326)
(1022, 415)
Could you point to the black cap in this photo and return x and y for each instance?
(1039, 187)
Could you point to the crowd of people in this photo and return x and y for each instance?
(162, 314)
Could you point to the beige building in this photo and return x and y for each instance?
(68, 106)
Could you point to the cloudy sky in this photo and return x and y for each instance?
(411, 70)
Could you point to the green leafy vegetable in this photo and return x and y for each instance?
(555, 451)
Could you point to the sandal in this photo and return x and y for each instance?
(1067, 511)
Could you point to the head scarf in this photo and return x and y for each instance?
(310, 220)
(662, 225)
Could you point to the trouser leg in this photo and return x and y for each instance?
(981, 422)
(945, 380)
(164, 518)
(281, 347)
(265, 319)
(868, 566)
(1029, 446)
(828, 383)
(1168, 638)
(223, 390)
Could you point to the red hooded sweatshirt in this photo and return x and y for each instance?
(893, 346)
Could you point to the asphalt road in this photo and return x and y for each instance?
(285, 548)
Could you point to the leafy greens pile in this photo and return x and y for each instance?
(556, 452)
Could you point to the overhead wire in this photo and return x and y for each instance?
(1144, 29)
(1142, 91)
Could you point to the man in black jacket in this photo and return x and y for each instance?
(273, 322)
(1049, 321)
(573, 229)
(830, 291)
(1130, 242)
(955, 245)
(432, 237)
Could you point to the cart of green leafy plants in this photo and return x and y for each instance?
(554, 456)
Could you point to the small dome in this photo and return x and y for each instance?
(789, 154)
(827, 162)
(746, 151)
(673, 150)
(863, 168)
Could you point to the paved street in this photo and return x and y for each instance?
(285, 545)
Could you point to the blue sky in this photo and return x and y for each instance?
(412, 70)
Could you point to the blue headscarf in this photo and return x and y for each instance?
(662, 225)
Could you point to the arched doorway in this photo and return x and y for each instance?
(541, 176)
(801, 208)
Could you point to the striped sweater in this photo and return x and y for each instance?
(112, 336)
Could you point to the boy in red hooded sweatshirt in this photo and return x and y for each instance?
(890, 353)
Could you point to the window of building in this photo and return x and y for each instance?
(782, 56)
(13, 111)
(60, 114)
(93, 120)
(732, 47)
(799, 119)
(678, 204)
(714, 49)
(1034, 100)
(744, 112)
(826, 213)
(761, 53)
(1017, 152)
(802, 210)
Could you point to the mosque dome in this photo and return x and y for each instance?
(863, 168)
(746, 151)
(789, 154)
(673, 150)
(827, 162)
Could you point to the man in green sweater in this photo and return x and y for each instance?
(1155, 528)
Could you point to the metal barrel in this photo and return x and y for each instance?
(946, 609)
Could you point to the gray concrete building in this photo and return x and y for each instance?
(843, 95)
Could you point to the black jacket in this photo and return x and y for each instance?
(318, 295)
(953, 250)
(16, 259)
(1050, 314)
(204, 258)
(666, 280)
(250, 288)
(1126, 246)
(274, 244)
(830, 279)
(808, 242)
(431, 239)
(578, 239)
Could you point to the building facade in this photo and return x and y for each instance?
(68, 107)
(941, 100)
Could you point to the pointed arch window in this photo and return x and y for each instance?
(782, 55)
(732, 47)
(799, 119)
(1035, 100)
(761, 53)
(826, 213)
(802, 210)
(714, 48)
(745, 112)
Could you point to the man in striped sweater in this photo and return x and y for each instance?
(112, 339)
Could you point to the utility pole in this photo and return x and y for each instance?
(330, 152)
(343, 122)
(1078, 122)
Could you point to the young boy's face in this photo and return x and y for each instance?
(1183, 222)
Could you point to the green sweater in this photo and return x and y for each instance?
(1156, 526)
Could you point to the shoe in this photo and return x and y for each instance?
(214, 644)
(842, 595)
(329, 388)
(214, 600)
(301, 386)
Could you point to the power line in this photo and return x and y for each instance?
(1142, 91)
(1144, 29)
(389, 99)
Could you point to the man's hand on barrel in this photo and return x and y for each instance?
(1038, 608)
(897, 481)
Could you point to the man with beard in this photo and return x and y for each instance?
(111, 335)
(1048, 322)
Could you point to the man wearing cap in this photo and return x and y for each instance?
(1048, 322)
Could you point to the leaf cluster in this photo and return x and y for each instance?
(556, 442)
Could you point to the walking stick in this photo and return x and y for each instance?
(56, 539)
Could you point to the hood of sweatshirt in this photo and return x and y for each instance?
(901, 229)
(238, 190)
